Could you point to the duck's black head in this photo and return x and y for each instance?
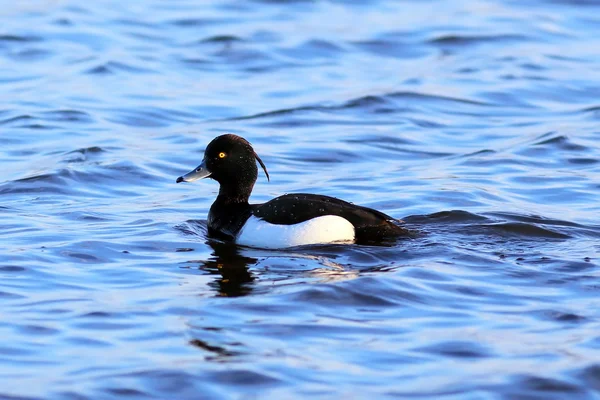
(231, 161)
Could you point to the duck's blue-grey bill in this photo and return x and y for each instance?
(198, 173)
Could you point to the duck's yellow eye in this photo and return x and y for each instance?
(222, 155)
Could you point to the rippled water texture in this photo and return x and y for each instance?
(477, 122)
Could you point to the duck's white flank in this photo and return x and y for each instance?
(326, 229)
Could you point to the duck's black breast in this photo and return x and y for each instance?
(225, 220)
(289, 209)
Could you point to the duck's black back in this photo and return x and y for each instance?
(369, 224)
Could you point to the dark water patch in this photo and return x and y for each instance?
(159, 382)
(127, 393)
(534, 219)
(483, 152)
(583, 161)
(457, 349)
(523, 229)
(446, 217)
(69, 116)
(12, 268)
(562, 266)
(377, 104)
(30, 55)
(252, 59)
(100, 70)
(222, 39)
(314, 50)
(116, 67)
(194, 23)
(561, 317)
(245, 378)
(526, 225)
(82, 257)
(38, 330)
(27, 122)
(38, 127)
(533, 66)
(63, 22)
(19, 118)
(469, 40)
(200, 63)
(594, 111)
(9, 38)
(98, 314)
(563, 142)
(591, 376)
(8, 295)
(399, 142)
(423, 123)
(550, 388)
(393, 49)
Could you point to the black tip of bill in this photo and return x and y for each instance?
(180, 179)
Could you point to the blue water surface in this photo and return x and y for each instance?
(477, 122)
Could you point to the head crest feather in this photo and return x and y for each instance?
(262, 164)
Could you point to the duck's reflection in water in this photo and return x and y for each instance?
(232, 263)
(227, 261)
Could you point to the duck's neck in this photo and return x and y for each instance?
(234, 194)
(229, 212)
